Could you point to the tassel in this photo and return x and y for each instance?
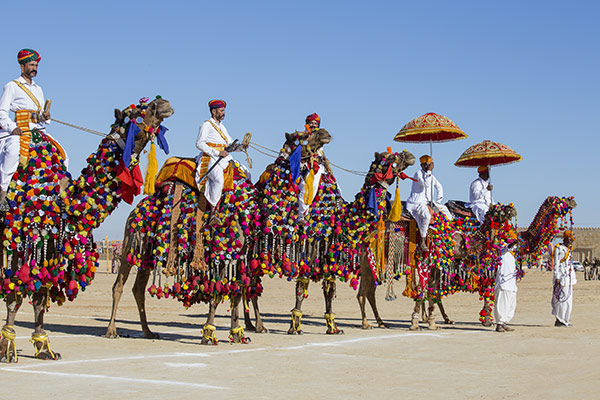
(396, 211)
(150, 180)
(308, 188)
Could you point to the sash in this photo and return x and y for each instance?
(218, 130)
(28, 93)
(203, 167)
(23, 118)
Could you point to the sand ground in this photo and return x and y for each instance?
(464, 360)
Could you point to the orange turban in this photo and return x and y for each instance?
(425, 159)
(569, 235)
(483, 168)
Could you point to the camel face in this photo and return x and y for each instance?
(387, 166)
(311, 142)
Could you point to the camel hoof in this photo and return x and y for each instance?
(336, 331)
(47, 355)
(382, 325)
(433, 327)
(414, 328)
(449, 322)
(209, 341)
(11, 359)
(151, 335)
(250, 327)
(112, 334)
(366, 326)
(261, 329)
(293, 331)
(487, 324)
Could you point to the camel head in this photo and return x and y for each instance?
(387, 167)
(500, 213)
(147, 116)
(311, 142)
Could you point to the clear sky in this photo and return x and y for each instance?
(524, 73)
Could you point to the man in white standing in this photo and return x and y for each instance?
(480, 194)
(564, 279)
(506, 290)
(21, 95)
(421, 195)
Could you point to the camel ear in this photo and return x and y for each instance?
(288, 137)
(118, 114)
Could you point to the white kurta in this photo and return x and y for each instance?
(562, 296)
(506, 289)
(420, 196)
(480, 198)
(215, 179)
(14, 99)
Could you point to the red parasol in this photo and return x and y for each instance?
(487, 153)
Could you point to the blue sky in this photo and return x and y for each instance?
(521, 73)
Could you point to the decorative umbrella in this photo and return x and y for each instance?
(430, 127)
(487, 153)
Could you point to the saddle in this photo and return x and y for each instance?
(178, 169)
(459, 209)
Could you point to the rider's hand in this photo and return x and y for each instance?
(223, 153)
(490, 187)
(17, 132)
(45, 115)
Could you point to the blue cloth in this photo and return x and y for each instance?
(372, 202)
(130, 143)
(295, 163)
(162, 141)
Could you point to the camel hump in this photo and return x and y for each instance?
(178, 169)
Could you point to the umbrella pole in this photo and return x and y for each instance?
(431, 155)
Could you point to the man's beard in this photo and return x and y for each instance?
(31, 74)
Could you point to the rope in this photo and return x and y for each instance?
(9, 334)
(42, 339)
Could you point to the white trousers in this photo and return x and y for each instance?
(9, 159)
(562, 304)
(479, 210)
(504, 305)
(420, 213)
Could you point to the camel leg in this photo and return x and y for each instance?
(447, 319)
(301, 294)
(139, 293)
(236, 334)
(329, 294)
(8, 350)
(431, 325)
(39, 336)
(208, 330)
(260, 326)
(248, 320)
(487, 319)
(361, 296)
(414, 321)
(117, 291)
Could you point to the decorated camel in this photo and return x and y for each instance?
(47, 235)
(436, 273)
(168, 236)
(309, 232)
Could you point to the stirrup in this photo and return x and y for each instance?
(208, 333)
(296, 317)
(331, 326)
(238, 331)
(42, 339)
(8, 333)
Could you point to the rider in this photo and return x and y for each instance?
(421, 196)
(212, 140)
(480, 194)
(25, 98)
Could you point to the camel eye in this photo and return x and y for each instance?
(297, 142)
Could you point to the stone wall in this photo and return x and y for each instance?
(587, 243)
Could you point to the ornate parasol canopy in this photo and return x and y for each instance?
(430, 127)
(487, 153)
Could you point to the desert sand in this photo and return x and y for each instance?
(464, 360)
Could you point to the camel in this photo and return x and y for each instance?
(448, 249)
(47, 234)
(321, 244)
(166, 234)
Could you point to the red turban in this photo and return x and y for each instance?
(313, 117)
(27, 55)
(217, 104)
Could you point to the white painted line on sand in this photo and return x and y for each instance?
(184, 365)
(117, 378)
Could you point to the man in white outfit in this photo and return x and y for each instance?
(421, 196)
(480, 194)
(564, 279)
(212, 140)
(25, 98)
(505, 290)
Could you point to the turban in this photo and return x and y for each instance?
(313, 117)
(425, 159)
(217, 104)
(483, 168)
(569, 235)
(27, 55)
